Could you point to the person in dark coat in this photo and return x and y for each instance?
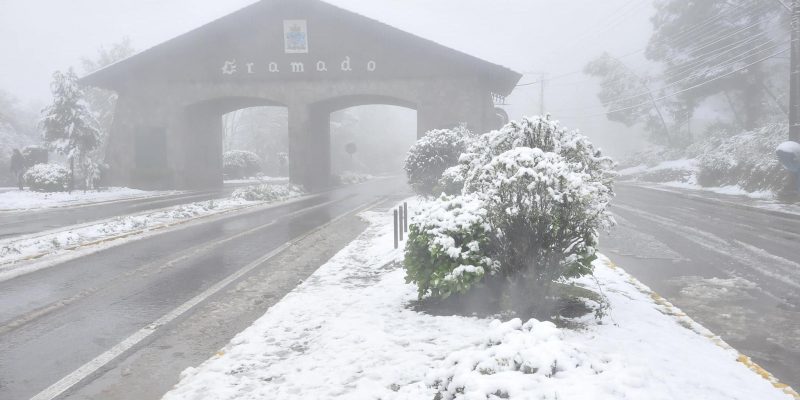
(18, 166)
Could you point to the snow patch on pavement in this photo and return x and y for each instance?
(27, 200)
(348, 332)
(15, 251)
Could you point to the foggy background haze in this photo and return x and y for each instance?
(528, 36)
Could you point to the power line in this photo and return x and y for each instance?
(701, 27)
(685, 90)
(726, 64)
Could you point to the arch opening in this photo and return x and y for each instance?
(371, 139)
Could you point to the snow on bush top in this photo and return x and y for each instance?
(47, 177)
(549, 179)
(240, 158)
(536, 132)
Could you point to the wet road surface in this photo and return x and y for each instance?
(734, 270)
(15, 223)
(56, 320)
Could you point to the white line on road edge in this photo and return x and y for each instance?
(188, 253)
(83, 250)
(100, 361)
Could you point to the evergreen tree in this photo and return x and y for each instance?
(69, 128)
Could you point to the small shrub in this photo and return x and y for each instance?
(47, 178)
(447, 247)
(267, 192)
(238, 164)
(431, 155)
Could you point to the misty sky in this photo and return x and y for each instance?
(40, 36)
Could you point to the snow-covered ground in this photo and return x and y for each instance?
(688, 164)
(686, 171)
(258, 179)
(26, 200)
(16, 252)
(348, 332)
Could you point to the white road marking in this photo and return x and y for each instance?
(98, 362)
(184, 255)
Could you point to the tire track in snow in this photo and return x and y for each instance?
(780, 269)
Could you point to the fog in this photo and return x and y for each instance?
(536, 36)
(399, 199)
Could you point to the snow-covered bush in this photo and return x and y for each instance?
(545, 213)
(515, 360)
(747, 160)
(47, 178)
(431, 155)
(240, 164)
(542, 194)
(447, 246)
(267, 192)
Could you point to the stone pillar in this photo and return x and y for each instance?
(309, 147)
(118, 152)
(299, 126)
(199, 165)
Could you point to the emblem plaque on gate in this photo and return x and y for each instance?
(295, 36)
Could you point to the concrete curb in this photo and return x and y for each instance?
(684, 320)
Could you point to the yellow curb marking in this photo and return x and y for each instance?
(684, 320)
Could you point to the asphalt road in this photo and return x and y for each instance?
(57, 320)
(734, 270)
(15, 223)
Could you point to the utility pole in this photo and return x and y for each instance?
(794, 79)
(541, 95)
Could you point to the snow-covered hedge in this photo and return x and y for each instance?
(747, 160)
(447, 247)
(431, 155)
(47, 178)
(540, 193)
(240, 164)
(267, 192)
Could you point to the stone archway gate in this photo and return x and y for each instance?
(307, 55)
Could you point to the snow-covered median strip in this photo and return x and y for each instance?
(14, 252)
(348, 332)
(16, 200)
